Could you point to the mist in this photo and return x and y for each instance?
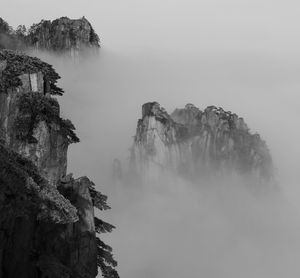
(104, 96)
(240, 55)
(170, 227)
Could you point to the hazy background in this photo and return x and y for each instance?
(241, 55)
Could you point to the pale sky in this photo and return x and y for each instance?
(176, 25)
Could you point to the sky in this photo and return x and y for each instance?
(177, 26)
(239, 54)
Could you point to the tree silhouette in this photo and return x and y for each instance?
(105, 260)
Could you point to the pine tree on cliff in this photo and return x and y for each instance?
(58, 243)
(105, 259)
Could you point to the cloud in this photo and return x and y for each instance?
(175, 229)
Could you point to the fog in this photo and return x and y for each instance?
(104, 96)
(241, 55)
(173, 228)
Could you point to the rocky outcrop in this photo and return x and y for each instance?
(64, 34)
(71, 37)
(23, 123)
(47, 222)
(197, 144)
(28, 204)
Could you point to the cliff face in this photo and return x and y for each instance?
(71, 37)
(28, 204)
(47, 223)
(49, 153)
(45, 144)
(64, 35)
(198, 144)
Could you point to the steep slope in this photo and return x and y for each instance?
(47, 218)
(28, 204)
(29, 116)
(198, 144)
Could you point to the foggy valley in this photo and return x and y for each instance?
(175, 228)
(241, 56)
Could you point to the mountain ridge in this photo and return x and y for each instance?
(196, 143)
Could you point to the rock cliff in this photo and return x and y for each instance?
(64, 35)
(198, 144)
(71, 37)
(47, 222)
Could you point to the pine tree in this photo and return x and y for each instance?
(105, 260)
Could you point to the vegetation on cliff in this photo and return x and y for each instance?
(62, 34)
(58, 237)
(212, 140)
(17, 63)
(105, 259)
(25, 192)
(59, 35)
(34, 108)
(28, 204)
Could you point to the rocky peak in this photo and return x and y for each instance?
(198, 143)
(71, 37)
(63, 35)
(154, 109)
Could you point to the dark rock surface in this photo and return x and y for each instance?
(47, 223)
(24, 78)
(28, 204)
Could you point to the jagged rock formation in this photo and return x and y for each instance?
(47, 222)
(197, 144)
(63, 36)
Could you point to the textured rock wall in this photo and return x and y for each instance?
(82, 234)
(53, 234)
(27, 204)
(50, 151)
(64, 35)
(198, 144)
(70, 37)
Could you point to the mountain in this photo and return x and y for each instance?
(47, 222)
(198, 144)
(65, 36)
